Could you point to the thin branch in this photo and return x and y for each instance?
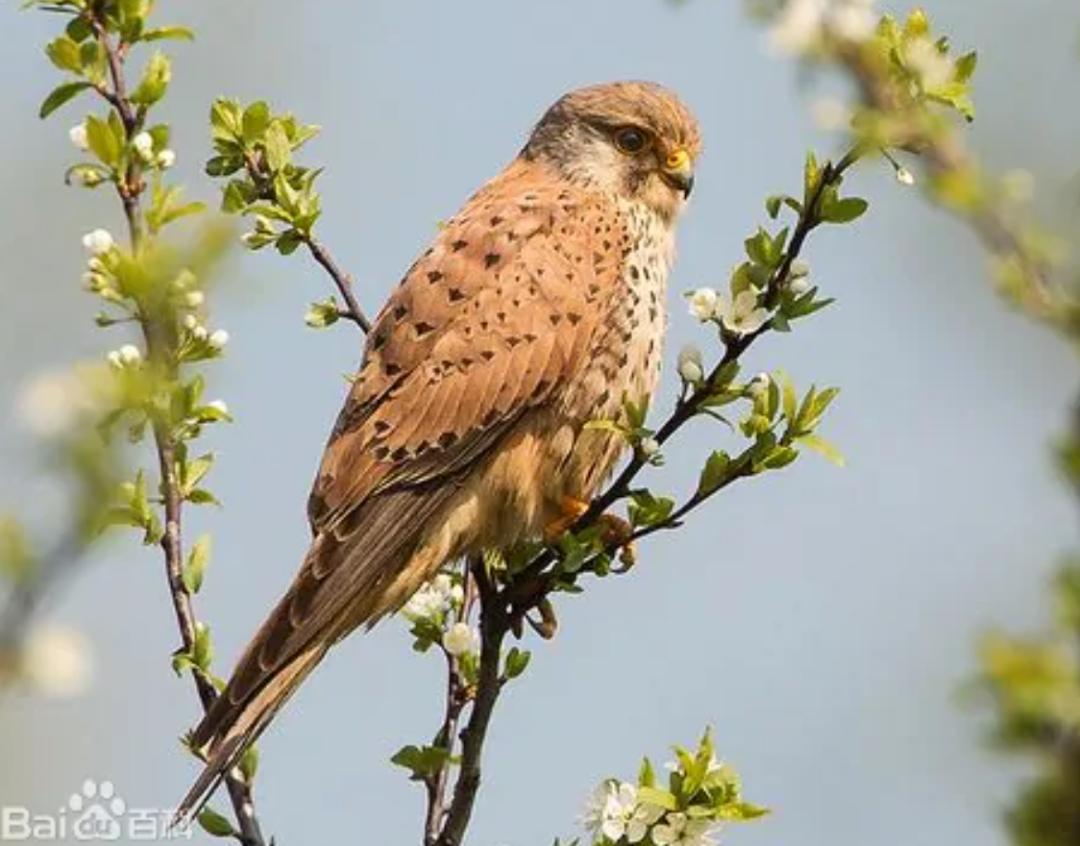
(130, 191)
(494, 624)
(457, 697)
(342, 280)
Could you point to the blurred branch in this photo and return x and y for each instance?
(158, 343)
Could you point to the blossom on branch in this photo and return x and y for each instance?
(741, 315)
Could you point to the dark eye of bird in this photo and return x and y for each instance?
(630, 140)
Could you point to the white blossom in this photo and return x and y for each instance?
(798, 26)
(803, 23)
(759, 384)
(114, 359)
(799, 268)
(831, 114)
(190, 321)
(52, 403)
(434, 598)
(691, 368)
(680, 830)
(932, 66)
(77, 134)
(199, 333)
(905, 176)
(194, 298)
(650, 447)
(98, 242)
(55, 661)
(852, 20)
(129, 354)
(609, 809)
(461, 638)
(219, 406)
(144, 145)
(703, 303)
(218, 339)
(166, 159)
(741, 315)
(800, 285)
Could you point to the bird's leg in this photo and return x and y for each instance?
(616, 530)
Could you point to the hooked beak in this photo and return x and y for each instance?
(678, 172)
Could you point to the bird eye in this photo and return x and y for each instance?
(630, 140)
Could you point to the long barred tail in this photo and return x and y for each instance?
(227, 732)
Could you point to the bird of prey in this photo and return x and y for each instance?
(538, 308)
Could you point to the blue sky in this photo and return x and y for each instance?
(820, 619)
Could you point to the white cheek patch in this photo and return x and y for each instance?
(598, 164)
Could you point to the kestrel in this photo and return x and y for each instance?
(539, 307)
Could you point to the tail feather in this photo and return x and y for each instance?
(243, 728)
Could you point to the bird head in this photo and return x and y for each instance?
(636, 140)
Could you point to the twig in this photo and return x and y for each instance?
(494, 624)
(130, 191)
(457, 697)
(342, 280)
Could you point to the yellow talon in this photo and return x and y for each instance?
(617, 531)
(570, 510)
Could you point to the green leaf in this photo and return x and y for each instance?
(201, 496)
(215, 824)
(656, 796)
(64, 53)
(254, 122)
(195, 568)
(278, 151)
(155, 80)
(60, 95)
(965, 66)
(740, 811)
(789, 397)
(845, 210)
(779, 457)
(811, 176)
(203, 652)
(421, 761)
(917, 24)
(646, 775)
(78, 29)
(647, 509)
(517, 661)
(249, 763)
(773, 204)
(288, 241)
(824, 448)
(226, 119)
(104, 142)
(714, 474)
(162, 33)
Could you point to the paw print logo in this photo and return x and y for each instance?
(99, 809)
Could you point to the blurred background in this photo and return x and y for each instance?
(822, 620)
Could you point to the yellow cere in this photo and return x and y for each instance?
(678, 160)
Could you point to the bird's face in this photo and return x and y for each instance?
(633, 139)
